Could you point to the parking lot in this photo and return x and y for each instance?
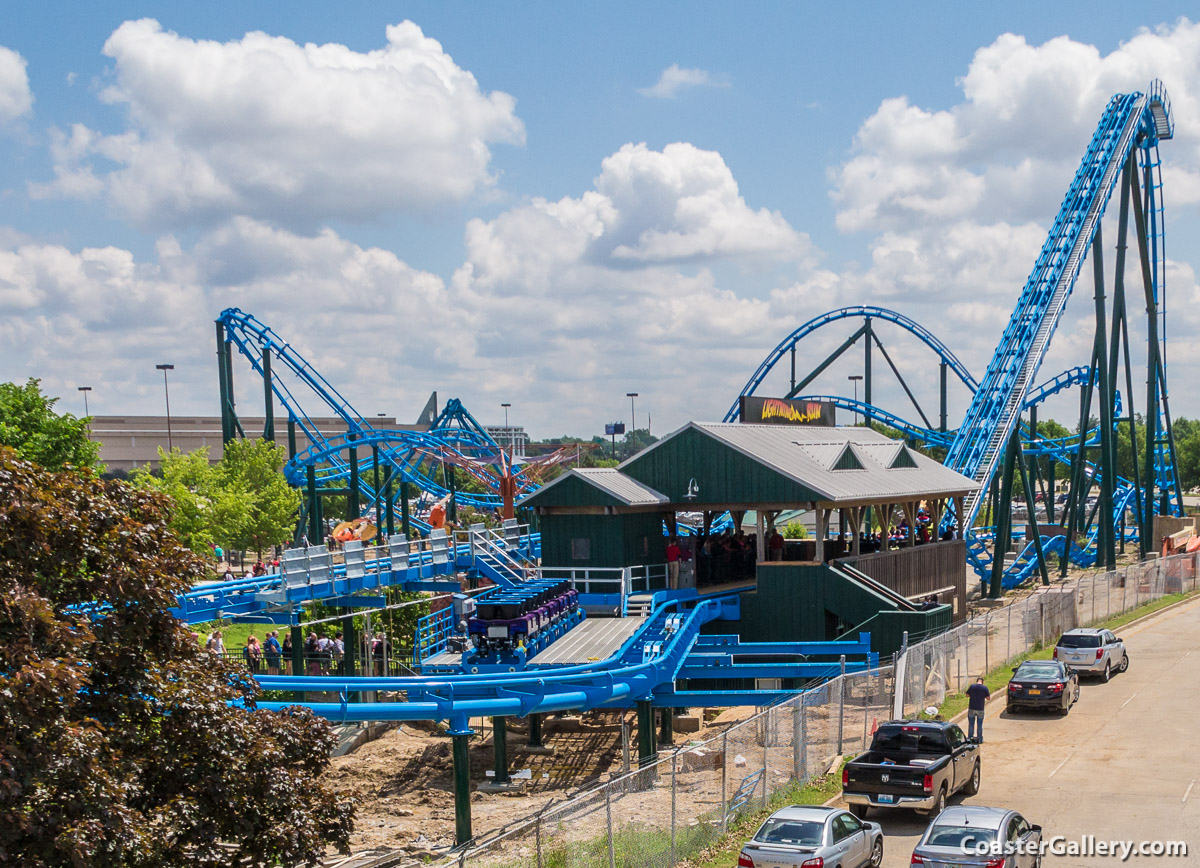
(1123, 764)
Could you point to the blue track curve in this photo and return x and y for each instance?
(859, 312)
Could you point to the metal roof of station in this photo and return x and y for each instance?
(611, 482)
(839, 465)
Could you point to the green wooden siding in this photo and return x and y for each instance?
(723, 475)
(632, 539)
(810, 602)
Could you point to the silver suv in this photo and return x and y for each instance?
(1092, 650)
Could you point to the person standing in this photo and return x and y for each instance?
(977, 697)
(252, 654)
(775, 546)
(272, 651)
(674, 552)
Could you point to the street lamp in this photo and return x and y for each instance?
(854, 378)
(508, 430)
(85, 390)
(167, 393)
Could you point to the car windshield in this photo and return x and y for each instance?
(1037, 671)
(962, 837)
(1079, 640)
(806, 833)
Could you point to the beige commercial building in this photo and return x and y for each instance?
(133, 441)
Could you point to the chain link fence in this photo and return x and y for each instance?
(673, 808)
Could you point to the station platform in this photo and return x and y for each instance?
(595, 639)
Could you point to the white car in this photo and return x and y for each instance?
(1092, 650)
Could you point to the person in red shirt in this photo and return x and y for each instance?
(673, 555)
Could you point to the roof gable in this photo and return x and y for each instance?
(594, 486)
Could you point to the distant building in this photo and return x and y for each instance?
(133, 441)
(510, 436)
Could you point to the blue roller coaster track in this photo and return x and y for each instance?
(1130, 129)
(455, 437)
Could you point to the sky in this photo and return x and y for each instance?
(552, 205)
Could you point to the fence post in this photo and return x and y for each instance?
(1108, 597)
(804, 736)
(724, 776)
(538, 840)
(766, 748)
(612, 855)
(1093, 599)
(625, 744)
(987, 640)
(796, 711)
(866, 711)
(674, 777)
(841, 701)
(1008, 634)
(966, 653)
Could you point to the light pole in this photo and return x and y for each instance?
(85, 390)
(632, 418)
(167, 394)
(854, 378)
(508, 431)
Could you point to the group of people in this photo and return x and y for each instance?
(269, 651)
(260, 568)
(727, 557)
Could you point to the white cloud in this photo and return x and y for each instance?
(674, 79)
(680, 204)
(1008, 150)
(296, 134)
(15, 97)
(558, 307)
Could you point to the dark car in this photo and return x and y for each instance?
(1043, 684)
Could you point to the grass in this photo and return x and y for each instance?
(723, 852)
(954, 703)
(701, 845)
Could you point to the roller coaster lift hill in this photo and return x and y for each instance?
(993, 443)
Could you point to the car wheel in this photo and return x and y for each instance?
(1125, 663)
(859, 811)
(876, 853)
(972, 786)
(1010, 708)
(939, 805)
(1107, 673)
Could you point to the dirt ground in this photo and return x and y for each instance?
(403, 780)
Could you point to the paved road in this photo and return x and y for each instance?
(1124, 764)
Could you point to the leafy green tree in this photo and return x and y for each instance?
(253, 470)
(204, 510)
(122, 743)
(795, 530)
(29, 425)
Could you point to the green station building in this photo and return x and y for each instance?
(603, 528)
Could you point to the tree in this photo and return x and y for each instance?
(204, 509)
(29, 425)
(122, 743)
(253, 469)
